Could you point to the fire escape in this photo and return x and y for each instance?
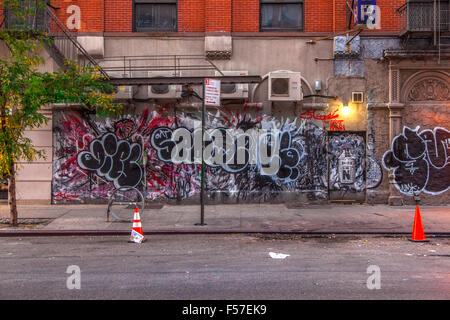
(63, 44)
(426, 20)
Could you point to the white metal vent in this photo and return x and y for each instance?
(357, 97)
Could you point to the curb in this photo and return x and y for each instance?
(59, 233)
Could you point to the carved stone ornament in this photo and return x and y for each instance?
(430, 89)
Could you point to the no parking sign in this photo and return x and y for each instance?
(212, 92)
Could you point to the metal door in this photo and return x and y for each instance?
(346, 166)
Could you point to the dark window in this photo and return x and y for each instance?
(282, 15)
(155, 15)
(32, 16)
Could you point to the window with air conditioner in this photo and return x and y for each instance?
(155, 15)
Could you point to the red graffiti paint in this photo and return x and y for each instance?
(331, 119)
(63, 196)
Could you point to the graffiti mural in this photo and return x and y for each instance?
(247, 156)
(420, 161)
(331, 119)
(347, 153)
(115, 160)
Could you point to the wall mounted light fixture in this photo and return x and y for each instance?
(346, 110)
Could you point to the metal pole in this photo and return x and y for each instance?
(202, 188)
(434, 22)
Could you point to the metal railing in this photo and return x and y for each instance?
(64, 43)
(424, 16)
(140, 66)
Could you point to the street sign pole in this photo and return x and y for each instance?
(202, 189)
(211, 97)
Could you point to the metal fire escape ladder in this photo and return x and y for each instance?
(427, 20)
(63, 43)
(441, 26)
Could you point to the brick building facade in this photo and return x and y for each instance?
(390, 145)
(220, 15)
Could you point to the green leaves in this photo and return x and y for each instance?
(24, 89)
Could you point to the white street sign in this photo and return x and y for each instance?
(212, 92)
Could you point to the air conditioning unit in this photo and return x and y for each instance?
(164, 91)
(124, 92)
(285, 86)
(233, 90)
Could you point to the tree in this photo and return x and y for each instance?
(24, 90)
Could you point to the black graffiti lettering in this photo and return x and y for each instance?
(420, 161)
(114, 160)
(161, 140)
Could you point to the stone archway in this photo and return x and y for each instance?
(426, 86)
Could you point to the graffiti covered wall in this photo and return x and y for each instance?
(95, 155)
(420, 161)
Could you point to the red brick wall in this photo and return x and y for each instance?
(220, 15)
(389, 15)
(217, 15)
(340, 15)
(191, 15)
(118, 16)
(318, 15)
(92, 13)
(245, 16)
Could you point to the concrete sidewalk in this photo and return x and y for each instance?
(242, 217)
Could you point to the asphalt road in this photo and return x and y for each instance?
(223, 267)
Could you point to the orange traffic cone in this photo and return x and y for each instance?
(418, 235)
(137, 235)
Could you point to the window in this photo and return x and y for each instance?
(281, 15)
(155, 15)
(33, 16)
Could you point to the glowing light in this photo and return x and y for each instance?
(346, 110)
